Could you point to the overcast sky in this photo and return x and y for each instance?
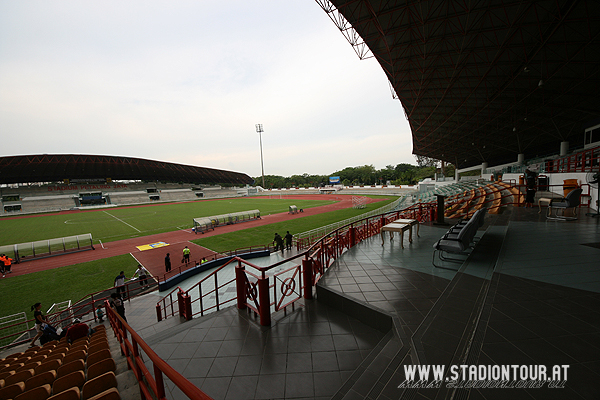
(186, 82)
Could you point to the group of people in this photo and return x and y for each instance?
(141, 273)
(46, 332)
(184, 260)
(278, 241)
(5, 264)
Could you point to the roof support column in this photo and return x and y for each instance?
(521, 158)
(484, 166)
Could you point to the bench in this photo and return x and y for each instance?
(458, 239)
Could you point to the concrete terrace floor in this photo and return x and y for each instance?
(528, 294)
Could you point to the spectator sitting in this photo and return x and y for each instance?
(77, 330)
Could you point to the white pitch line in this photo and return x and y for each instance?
(118, 219)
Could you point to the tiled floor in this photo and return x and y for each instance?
(528, 294)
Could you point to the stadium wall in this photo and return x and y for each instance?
(59, 197)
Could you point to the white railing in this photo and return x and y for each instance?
(12, 327)
(324, 230)
(64, 313)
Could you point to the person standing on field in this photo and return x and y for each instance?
(120, 283)
(186, 255)
(167, 262)
(278, 240)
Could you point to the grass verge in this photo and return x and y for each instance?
(71, 282)
(262, 235)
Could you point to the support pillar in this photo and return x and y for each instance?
(484, 166)
(521, 158)
(352, 236)
(240, 284)
(307, 274)
(264, 305)
(440, 210)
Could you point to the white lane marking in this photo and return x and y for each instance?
(118, 219)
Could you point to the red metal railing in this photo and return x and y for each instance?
(82, 309)
(584, 161)
(266, 290)
(151, 383)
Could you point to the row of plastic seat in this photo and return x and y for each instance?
(57, 371)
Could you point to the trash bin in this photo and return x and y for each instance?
(543, 183)
(569, 185)
(521, 180)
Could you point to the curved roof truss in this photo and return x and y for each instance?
(483, 80)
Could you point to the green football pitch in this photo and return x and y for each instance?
(75, 281)
(119, 223)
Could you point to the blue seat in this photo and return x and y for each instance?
(571, 200)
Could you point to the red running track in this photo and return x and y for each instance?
(176, 239)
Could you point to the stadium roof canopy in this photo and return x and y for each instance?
(483, 80)
(58, 167)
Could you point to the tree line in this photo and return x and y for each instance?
(401, 174)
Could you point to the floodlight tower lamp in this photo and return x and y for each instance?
(259, 130)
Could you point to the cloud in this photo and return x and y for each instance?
(187, 81)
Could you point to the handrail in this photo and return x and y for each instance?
(78, 309)
(324, 230)
(151, 384)
(253, 290)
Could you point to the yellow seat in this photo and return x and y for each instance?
(97, 347)
(110, 394)
(67, 368)
(41, 357)
(78, 347)
(98, 356)
(20, 376)
(70, 394)
(80, 340)
(30, 365)
(4, 375)
(38, 393)
(48, 366)
(33, 349)
(98, 385)
(12, 391)
(76, 378)
(75, 355)
(55, 356)
(101, 367)
(44, 378)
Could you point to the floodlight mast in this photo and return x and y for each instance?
(259, 130)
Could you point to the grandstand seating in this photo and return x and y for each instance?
(62, 371)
